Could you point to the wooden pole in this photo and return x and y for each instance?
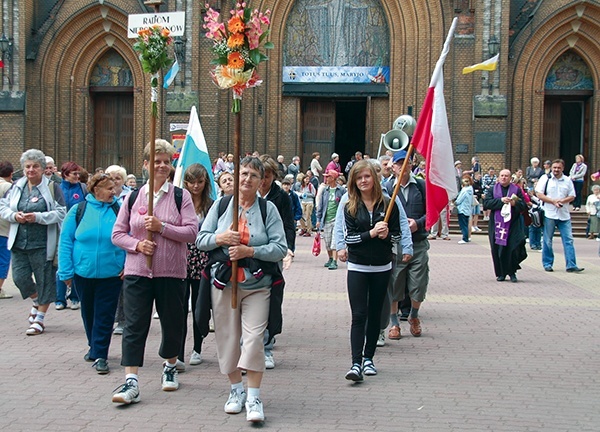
(156, 4)
(409, 152)
(236, 200)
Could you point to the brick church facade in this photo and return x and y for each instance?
(73, 86)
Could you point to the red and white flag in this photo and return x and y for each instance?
(432, 140)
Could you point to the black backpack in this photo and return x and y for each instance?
(262, 204)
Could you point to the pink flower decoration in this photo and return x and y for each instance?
(76, 196)
(142, 210)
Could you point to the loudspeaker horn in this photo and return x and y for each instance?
(406, 124)
(395, 140)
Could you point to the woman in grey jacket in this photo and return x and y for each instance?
(35, 208)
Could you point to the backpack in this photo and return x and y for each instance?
(82, 206)
(262, 204)
(178, 192)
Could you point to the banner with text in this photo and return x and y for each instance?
(336, 74)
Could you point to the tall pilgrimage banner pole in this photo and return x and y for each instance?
(236, 200)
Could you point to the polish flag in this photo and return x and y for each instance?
(432, 140)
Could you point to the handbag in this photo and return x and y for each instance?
(536, 213)
(316, 249)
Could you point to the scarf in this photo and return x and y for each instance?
(502, 227)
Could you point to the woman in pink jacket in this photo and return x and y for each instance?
(173, 225)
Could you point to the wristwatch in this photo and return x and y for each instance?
(162, 227)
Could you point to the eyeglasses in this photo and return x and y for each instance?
(245, 175)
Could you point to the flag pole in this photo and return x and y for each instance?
(388, 212)
(236, 201)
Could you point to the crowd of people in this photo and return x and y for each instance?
(91, 242)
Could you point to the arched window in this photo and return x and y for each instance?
(111, 71)
(569, 72)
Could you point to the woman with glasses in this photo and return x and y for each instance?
(35, 207)
(197, 182)
(258, 245)
(88, 257)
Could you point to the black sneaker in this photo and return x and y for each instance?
(101, 366)
(355, 373)
(575, 270)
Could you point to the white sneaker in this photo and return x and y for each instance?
(128, 393)
(235, 402)
(75, 305)
(59, 306)
(179, 365)
(462, 242)
(269, 361)
(155, 316)
(169, 379)
(118, 330)
(381, 339)
(254, 411)
(196, 358)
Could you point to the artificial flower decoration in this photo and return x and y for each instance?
(238, 46)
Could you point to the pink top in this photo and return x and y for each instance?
(332, 166)
(170, 255)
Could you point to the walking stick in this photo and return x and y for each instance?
(388, 212)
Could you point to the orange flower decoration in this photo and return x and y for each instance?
(236, 25)
(165, 32)
(236, 40)
(235, 61)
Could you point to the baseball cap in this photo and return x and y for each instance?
(399, 155)
(332, 173)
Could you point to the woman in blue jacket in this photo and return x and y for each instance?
(464, 205)
(369, 254)
(88, 258)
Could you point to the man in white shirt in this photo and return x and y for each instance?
(556, 190)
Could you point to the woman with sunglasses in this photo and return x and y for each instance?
(88, 257)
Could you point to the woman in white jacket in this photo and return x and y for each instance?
(35, 208)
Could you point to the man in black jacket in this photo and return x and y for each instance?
(411, 276)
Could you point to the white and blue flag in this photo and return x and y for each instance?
(194, 150)
(170, 76)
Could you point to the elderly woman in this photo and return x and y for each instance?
(131, 181)
(35, 208)
(162, 281)
(258, 245)
(577, 175)
(87, 256)
(533, 172)
(74, 192)
(119, 178)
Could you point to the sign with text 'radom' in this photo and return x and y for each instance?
(174, 21)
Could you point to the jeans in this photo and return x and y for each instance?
(463, 222)
(61, 292)
(535, 237)
(566, 235)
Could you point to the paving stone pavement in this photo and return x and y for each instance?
(493, 357)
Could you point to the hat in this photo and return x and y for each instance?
(457, 163)
(332, 173)
(399, 155)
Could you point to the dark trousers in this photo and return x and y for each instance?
(192, 287)
(139, 294)
(463, 222)
(98, 305)
(578, 189)
(366, 292)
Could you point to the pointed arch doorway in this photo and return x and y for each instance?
(567, 109)
(111, 92)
